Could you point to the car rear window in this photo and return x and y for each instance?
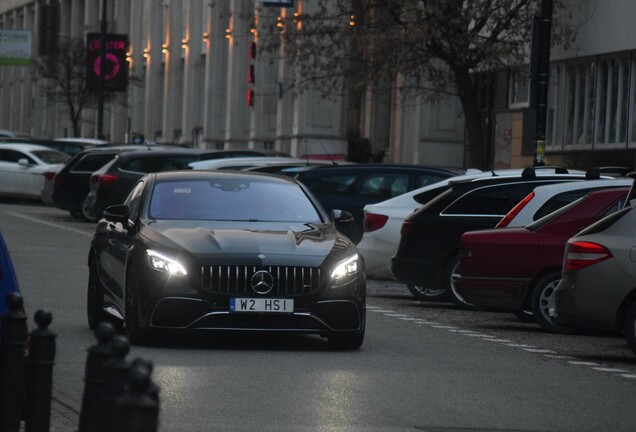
(335, 184)
(51, 157)
(558, 201)
(158, 163)
(487, 201)
(92, 162)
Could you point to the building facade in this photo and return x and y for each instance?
(197, 80)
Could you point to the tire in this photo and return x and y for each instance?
(630, 327)
(94, 298)
(136, 335)
(451, 274)
(543, 304)
(87, 212)
(428, 293)
(346, 340)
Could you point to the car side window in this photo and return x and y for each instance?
(422, 180)
(384, 186)
(8, 155)
(486, 201)
(91, 163)
(337, 184)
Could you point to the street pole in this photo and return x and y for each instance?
(543, 77)
(102, 62)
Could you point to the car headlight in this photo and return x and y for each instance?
(162, 262)
(345, 270)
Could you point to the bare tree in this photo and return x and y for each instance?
(62, 79)
(438, 47)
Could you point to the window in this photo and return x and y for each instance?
(384, 186)
(613, 86)
(91, 163)
(519, 89)
(485, 201)
(338, 184)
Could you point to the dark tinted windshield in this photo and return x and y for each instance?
(232, 200)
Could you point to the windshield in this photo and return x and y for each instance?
(232, 200)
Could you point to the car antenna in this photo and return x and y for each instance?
(333, 162)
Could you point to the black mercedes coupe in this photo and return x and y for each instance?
(228, 251)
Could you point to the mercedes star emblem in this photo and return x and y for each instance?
(262, 282)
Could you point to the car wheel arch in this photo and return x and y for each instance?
(533, 283)
(621, 313)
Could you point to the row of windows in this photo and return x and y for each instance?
(592, 105)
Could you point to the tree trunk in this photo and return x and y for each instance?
(474, 133)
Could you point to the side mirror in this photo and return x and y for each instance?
(23, 162)
(341, 217)
(117, 213)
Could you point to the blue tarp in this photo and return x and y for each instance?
(8, 280)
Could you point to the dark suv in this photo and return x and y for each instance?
(351, 187)
(427, 255)
(71, 184)
(111, 183)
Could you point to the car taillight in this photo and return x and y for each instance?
(49, 175)
(581, 254)
(373, 221)
(103, 178)
(406, 228)
(515, 211)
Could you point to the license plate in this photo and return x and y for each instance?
(266, 305)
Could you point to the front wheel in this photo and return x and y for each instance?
(544, 304)
(94, 297)
(428, 293)
(136, 335)
(630, 327)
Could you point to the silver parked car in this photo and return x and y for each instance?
(598, 288)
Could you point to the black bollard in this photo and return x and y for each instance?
(39, 382)
(115, 375)
(14, 338)
(153, 389)
(97, 356)
(138, 407)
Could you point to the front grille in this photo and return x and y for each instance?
(235, 280)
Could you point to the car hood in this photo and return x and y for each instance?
(262, 243)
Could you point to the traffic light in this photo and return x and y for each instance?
(115, 66)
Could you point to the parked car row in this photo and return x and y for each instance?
(551, 246)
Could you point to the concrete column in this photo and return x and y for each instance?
(153, 38)
(137, 68)
(76, 19)
(118, 110)
(317, 123)
(26, 87)
(216, 60)
(192, 39)
(263, 113)
(237, 128)
(173, 73)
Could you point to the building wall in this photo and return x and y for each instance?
(189, 64)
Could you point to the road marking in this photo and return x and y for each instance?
(584, 363)
(51, 224)
(611, 370)
(539, 350)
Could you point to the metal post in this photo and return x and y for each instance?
(138, 407)
(102, 66)
(543, 78)
(40, 374)
(14, 337)
(115, 375)
(94, 377)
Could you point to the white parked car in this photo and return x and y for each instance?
(383, 221)
(543, 200)
(22, 168)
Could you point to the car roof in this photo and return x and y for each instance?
(379, 167)
(26, 147)
(210, 164)
(206, 174)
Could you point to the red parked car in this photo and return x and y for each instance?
(517, 269)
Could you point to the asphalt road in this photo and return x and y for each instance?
(423, 366)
